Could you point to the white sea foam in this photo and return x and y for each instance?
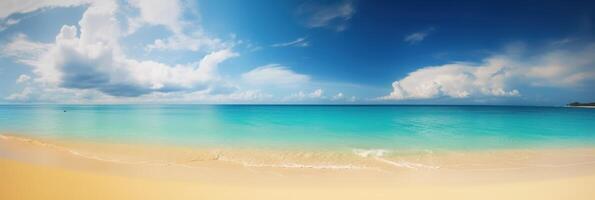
(378, 154)
(218, 157)
(366, 153)
(407, 164)
(294, 165)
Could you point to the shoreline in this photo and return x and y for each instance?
(381, 161)
(245, 171)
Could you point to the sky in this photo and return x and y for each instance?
(294, 52)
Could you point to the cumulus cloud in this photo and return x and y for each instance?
(238, 96)
(184, 37)
(335, 16)
(164, 13)
(498, 75)
(453, 80)
(23, 79)
(4, 24)
(274, 75)
(24, 94)
(8, 8)
(317, 94)
(338, 96)
(417, 37)
(300, 42)
(93, 60)
(284, 85)
(87, 63)
(20, 96)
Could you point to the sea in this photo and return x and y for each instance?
(390, 127)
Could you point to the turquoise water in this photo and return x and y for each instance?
(386, 127)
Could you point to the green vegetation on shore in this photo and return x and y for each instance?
(581, 104)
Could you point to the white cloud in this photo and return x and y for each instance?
(99, 27)
(335, 16)
(23, 79)
(353, 99)
(274, 75)
(24, 94)
(197, 41)
(94, 61)
(499, 74)
(186, 36)
(244, 96)
(9, 7)
(20, 96)
(285, 85)
(338, 96)
(300, 42)
(342, 97)
(316, 93)
(417, 37)
(166, 13)
(453, 80)
(4, 24)
(86, 63)
(24, 50)
(560, 67)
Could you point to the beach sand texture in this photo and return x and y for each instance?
(68, 170)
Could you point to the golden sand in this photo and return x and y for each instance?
(43, 169)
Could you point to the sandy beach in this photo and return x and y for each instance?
(49, 169)
(27, 181)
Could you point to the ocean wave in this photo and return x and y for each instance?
(370, 152)
(78, 153)
(378, 155)
(297, 165)
(217, 156)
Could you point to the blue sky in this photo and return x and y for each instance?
(372, 52)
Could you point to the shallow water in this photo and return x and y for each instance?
(406, 128)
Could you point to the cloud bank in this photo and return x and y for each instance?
(87, 63)
(8, 8)
(275, 75)
(91, 58)
(499, 75)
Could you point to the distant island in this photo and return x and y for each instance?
(578, 104)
